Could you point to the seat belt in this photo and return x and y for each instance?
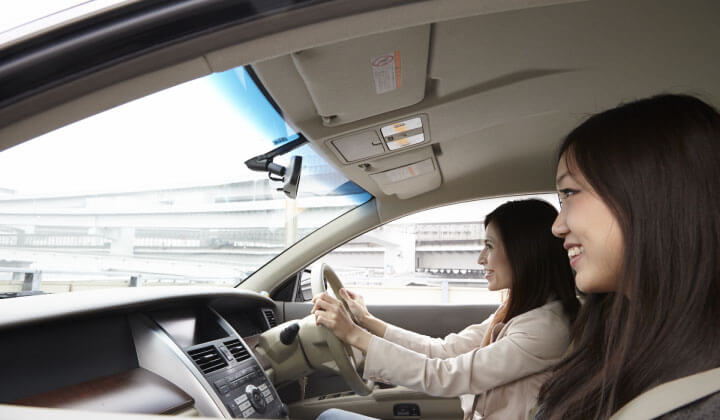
(670, 396)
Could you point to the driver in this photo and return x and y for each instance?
(497, 366)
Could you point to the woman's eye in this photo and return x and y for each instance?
(566, 193)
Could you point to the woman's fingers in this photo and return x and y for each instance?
(350, 294)
(333, 316)
(330, 313)
(327, 318)
(326, 305)
(355, 297)
(322, 319)
(331, 307)
(317, 300)
(355, 301)
(324, 296)
(323, 305)
(344, 294)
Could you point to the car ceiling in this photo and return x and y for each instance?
(501, 89)
(497, 83)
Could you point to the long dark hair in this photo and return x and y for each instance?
(656, 164)
(539, 264)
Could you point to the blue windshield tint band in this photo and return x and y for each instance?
(242, 91)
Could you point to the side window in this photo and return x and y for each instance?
(425, 258)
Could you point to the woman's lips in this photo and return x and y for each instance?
(575, 253)
(574, 260)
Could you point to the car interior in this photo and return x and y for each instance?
(422, 104)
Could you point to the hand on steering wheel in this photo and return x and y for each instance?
(342, 353)
(356, 305)
(330, 313)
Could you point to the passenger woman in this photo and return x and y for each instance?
(500, 363)
(640, 192)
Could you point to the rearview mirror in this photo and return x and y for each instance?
(291, 177)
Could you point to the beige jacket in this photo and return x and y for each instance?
(506, 375)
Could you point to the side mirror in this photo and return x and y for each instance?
(291, 177)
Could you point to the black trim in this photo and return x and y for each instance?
(84, 47)
(40, 72)
(264, 162)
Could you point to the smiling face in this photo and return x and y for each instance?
(591, 233)
(498, 272)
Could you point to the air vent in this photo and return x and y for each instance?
(238, 351)
(270, 317)
(207, 359)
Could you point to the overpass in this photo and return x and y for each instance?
(222, 231)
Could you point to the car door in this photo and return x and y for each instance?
(319, 391)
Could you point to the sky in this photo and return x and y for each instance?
(160, 149)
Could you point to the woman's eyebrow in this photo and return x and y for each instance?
(560, 178)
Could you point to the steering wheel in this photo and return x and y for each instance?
(342, 353)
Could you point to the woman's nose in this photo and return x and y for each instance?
(482, 258)
(559, 227)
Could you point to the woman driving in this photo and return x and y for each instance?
(497, 366)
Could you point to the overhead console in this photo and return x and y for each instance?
(381, 139)
(360, 78)
(407, 174)
(332, 92)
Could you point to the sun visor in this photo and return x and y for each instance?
(367, 76)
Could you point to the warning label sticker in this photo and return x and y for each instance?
(387, 73)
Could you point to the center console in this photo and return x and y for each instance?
(247, 393)
(223, 360)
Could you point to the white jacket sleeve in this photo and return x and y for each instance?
(530, 345)
(442, 348)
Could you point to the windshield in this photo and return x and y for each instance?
(156, 192)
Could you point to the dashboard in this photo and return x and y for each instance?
(162, 350)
